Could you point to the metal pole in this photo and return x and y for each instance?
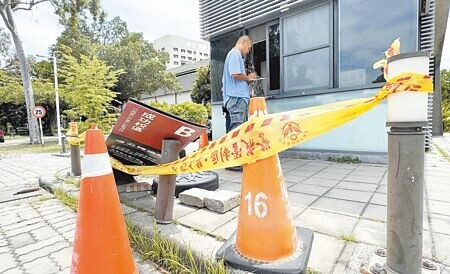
(166, 185)
(42, 132)
(405, 197)
(58, 116)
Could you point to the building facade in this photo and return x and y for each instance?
(181, 50)
(185, 75)
(315, 52)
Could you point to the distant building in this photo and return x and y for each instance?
(186, 77)
(181, 50)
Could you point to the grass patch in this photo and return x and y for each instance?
(158, 249)
(66, 199)
(27, 148)
(344, 159)
(312, 271)
(348, 239)
(72, 181)
(169, 255)
(443, 152)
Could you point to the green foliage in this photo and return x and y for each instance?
(144, 67)
(167, 253)
(87, 91)
(348, 238)
(445, 85)
(344, 159)
(189, 111)
(201, 92)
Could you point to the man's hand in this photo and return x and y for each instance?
(251, 76)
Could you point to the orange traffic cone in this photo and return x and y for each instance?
(203, 138)
(101, 242)
(266, 238)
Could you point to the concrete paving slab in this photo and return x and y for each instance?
(227, 229)
(309, 189)
(327, 175)
(367, 173)
(382, 189)
(333, 169)
(326, 222)
(441, 243)
(362, 179)
(343, 166)
(339, 206)
(300, 173)
(300, 199)
(371, 232)
(206, 220)
(294, 179)
(375, 212)
(321, 182)
(356, 186)
(367, 167)
(440, 224)
(325, 252)
(351, 195)
(232, 186)
(180, 209)
(439, 207)
(438, 195)
(379, 199)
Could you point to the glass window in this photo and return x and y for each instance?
(307, 30)
(183, 50)
(205, 54)
(175, 49)
(176, 63)
(195, 52)
(307, 70)
(162, 49)
(274, 56)
(367, 30)
(306, 49)
(175, 56)
(189, 58)
(200, 53)
(189, 51)
(183, 63)
(183, 57)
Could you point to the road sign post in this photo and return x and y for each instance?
(39, 112)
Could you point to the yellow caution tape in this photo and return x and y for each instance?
(76, 141)
(264, 136)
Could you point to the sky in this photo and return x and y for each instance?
(154, 18)
(39, 28)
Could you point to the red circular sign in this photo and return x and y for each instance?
(38, 111)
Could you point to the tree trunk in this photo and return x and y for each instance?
(33, 127)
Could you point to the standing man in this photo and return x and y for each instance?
(235, 91)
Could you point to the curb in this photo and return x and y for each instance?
(202, 246)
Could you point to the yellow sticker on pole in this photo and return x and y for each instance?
(264, 136)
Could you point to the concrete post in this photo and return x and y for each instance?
(405, 197)
(75, 160)
(407, 114)
(166, 186)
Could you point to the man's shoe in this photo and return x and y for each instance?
(234, 168)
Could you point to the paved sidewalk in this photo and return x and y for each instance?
(335, 200)
(36, 231)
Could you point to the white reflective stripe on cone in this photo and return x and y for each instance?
(96, 165)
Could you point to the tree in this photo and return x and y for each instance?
(144, 67)
(87, 90)
(5, 47)
(201, 92)
(7, 8)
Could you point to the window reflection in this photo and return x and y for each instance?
(307, 70)
(367, 28)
